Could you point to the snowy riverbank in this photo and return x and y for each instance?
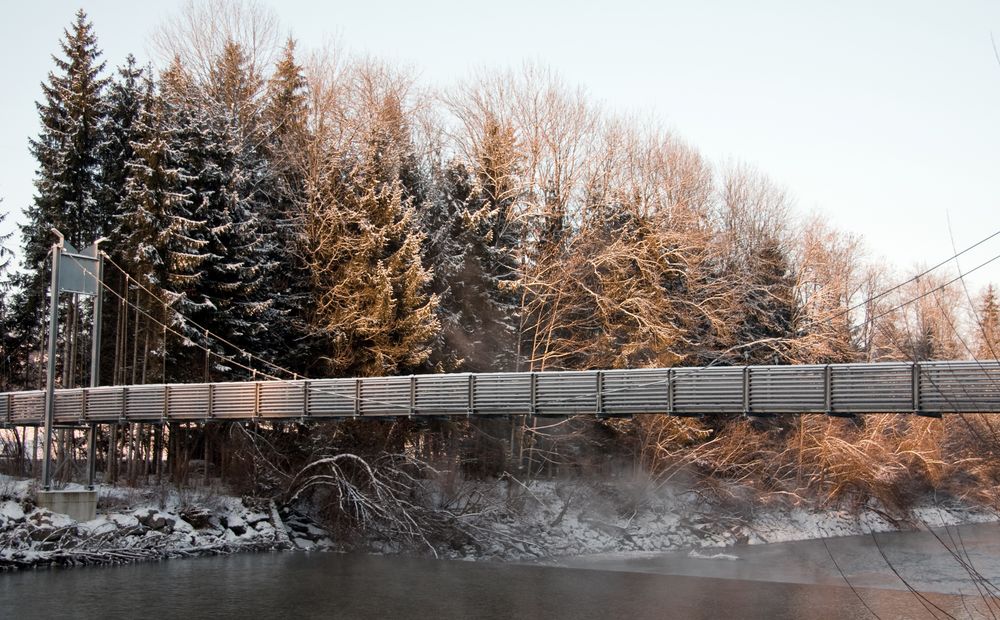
(143, 524)
(508, 522)
(560, 519)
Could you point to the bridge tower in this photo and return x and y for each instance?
(79, 272)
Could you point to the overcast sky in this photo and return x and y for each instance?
(884, 116)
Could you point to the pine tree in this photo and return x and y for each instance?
(284, 119)
(471, 244)
(67, 183)
(126, 98)
(988, 338)
(369, 283)
(67, 150)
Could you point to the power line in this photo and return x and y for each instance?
(935, 289)
(920, 275)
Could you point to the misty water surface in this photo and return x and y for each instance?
(790, 580)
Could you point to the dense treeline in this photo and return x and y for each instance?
(320, 214)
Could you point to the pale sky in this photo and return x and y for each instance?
(883, 116)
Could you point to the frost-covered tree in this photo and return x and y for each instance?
(154, 191)
(283, 118)
(125, 99)
(284, 115)
(9, 361)
(72, 116)
(497, 165)
(767, 308)
(221, 296)
(455, 277)
(471, 248)
(68, 177)
(245, 254)
(162, 240)
(752, 259)
(195, 209)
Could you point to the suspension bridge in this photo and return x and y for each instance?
(926, 388)
(919, 388)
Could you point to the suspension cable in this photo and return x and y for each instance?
(213, 335)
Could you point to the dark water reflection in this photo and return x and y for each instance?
(296, 585)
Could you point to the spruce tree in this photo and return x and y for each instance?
(988, 338)
(496, 182)
(766, 307)
(67, 150)
(154, 227)
(240, 274)
(126, 97)
(68, 176)
(9, 362)
(472, 239)
(473, 274)
(176, 234)
(284, 119)
(239, 247)
(369, 283)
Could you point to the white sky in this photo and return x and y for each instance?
(881, 115)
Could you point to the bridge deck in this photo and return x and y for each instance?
(929, 388)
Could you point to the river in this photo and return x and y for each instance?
(783, 580)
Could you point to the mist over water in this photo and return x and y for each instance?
(788, 580)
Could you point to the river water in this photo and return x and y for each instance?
(784, 580)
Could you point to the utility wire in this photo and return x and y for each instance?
(933, 290)
(916, 277)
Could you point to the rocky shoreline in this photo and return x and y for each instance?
(546, 520)
(131, 526)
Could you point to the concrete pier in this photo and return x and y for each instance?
(79, 505)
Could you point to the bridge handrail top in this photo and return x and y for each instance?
(682, 370)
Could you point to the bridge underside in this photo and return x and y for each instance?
(929, 388)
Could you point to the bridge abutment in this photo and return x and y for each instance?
(79, 505)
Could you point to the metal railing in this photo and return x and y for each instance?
(928, 388)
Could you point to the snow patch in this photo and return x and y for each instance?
(694, 553)
(11, 511)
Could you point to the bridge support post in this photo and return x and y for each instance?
(828, 390)
(95, 367)
(91, 456)
(82, 276)
(50, 376)
(746, 390)
(670, 391)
